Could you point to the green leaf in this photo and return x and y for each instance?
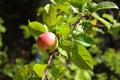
(57, 72)
(8, 70)
(74, 9)
(65, 42)
(106, 23)
(46, 8)
(62, 51)
(58, 1)
(37, 28)
(114, 30)
(59, 18)
(1, 43)
(87, 27)
(21, 75)
(39, 69)
(108, 17)
(79, 3)
(91, 6)
(1, 21)
(81, 57)
(63, 7)
(72, 19)
(2, 29)
(63, 30)
(106, 5)
(35, 78)
(63, 47)
(84, 39)
(26, 31)
(39, 11)
(49, 15)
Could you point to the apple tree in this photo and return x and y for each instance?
(63, 36)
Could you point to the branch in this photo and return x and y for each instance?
(82, 16)
(47, 68)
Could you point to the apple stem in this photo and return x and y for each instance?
(46, 70)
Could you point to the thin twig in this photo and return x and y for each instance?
(47, 68)
(75, 24)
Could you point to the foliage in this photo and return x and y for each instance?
(71, 22)
(76, 24)
(111, 59)
(2, 30)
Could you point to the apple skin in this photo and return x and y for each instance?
(47, 42)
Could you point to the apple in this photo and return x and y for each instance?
(47, 42)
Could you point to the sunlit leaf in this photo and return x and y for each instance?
(79, 3)
(108, 17)
(106, 23)
(84, 39)
(39, 11)
(72, 19)
(39, 69)
(57, 72)
(59, 18)
(63, 47)
(63, 30)
(47, 8)
(62, 51)
(36, 28)
(81, 57)
(91, 6)
(76, 10)
(49, 15)
(103, 5)
(63, 7)
(106, 5)
(58, 1)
